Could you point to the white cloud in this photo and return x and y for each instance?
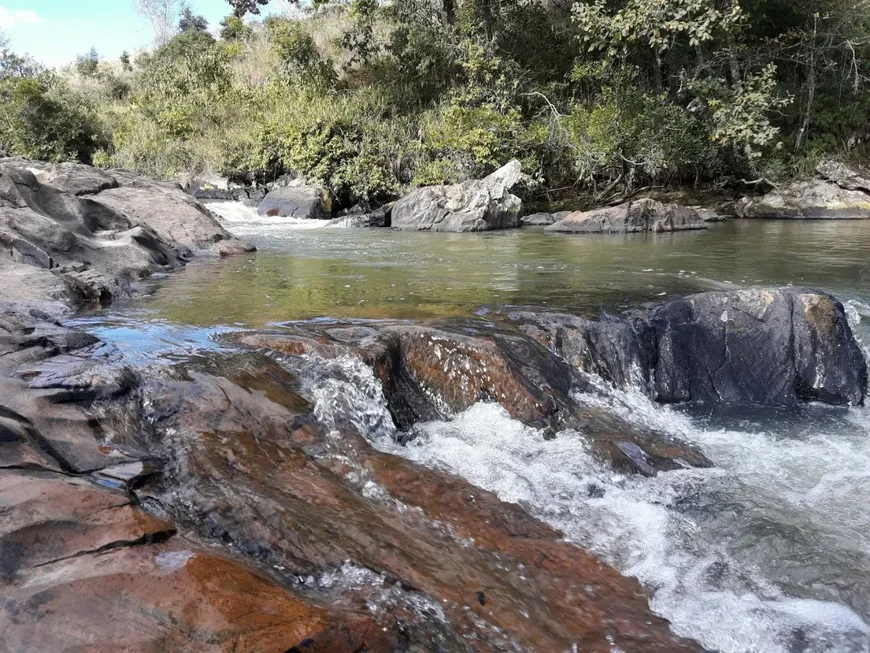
(9, 18)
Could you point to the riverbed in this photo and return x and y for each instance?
(768, 551)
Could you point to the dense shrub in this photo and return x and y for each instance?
(42, 120)
(367, 97)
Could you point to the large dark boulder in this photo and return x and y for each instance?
(760, 346)
(478, 205)
(638, 216)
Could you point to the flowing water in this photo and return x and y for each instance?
(767, 552)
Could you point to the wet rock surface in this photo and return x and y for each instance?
(759, 346)
(640, 216)
(337, 545)
(435, 372)
(236, 501)
(263, 474)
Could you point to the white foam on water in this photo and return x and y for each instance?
(244, 221)
(767, 552)
(708, 594)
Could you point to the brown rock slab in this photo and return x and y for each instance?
(168, 597)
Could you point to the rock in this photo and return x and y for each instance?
(844, 176)
(431, 373)
(509, 175)
(85, 235)
(479, 205)
(815, 199)
(538, 220)
(78, 179)
(95, 252)
(377, 218)
(709, 215)
(296, 200)
(632, 217)
(174, 215)
(210, 187)
(45, 517)
(608, 347)
(262, 474)
(758, 346)
(81, 568)
(839, 192)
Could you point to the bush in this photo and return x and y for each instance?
(43, 121)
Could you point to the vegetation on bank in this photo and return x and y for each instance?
(598, 96)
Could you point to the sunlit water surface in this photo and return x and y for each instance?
(768, 552)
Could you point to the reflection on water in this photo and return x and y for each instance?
(303, 273)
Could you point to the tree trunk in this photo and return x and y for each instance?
(811, 91)
(449, 11)
(657, 73)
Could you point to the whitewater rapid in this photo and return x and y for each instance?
(767, 552)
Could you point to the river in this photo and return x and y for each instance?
(767, 552)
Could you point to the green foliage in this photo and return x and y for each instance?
(367, 97)
(300, 59)
(419, 66)
(740, 118)
(234, 28)
(242, 7)
(40, 120)
(191, 21)
(125, 61)
(87, 64)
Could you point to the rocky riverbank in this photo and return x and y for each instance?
(233, 500)
(835, 191)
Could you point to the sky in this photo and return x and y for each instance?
(55, 32)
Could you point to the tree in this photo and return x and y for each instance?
(242, 7)
(191, 21)
(12, 64)
(87, 64)
(125, 61)
(163, 16)
(233, 28)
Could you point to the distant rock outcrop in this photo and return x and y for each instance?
(838, 192)
(478, 205)
(78, 234)
(638, 216)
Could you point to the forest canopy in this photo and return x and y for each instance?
(369, 97)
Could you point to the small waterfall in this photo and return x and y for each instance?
(345, 388)
(244, 221)
(769, 552)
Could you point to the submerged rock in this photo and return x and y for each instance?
(262, 473)
(436, 372)
(479, 205)
(761, 346)
(632, 217)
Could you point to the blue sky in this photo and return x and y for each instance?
(54, 32)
